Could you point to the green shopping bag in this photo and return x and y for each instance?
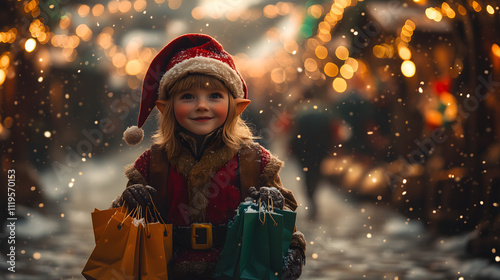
(275, 228)
(261, 252)
(289, 218)
(255, 261)
(256, 243)
(227, 266)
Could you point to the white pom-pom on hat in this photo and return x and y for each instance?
(133, 135)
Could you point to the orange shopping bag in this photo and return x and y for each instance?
(116, 254)
(156, 249)
(100, 219)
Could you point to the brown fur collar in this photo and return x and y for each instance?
(199, 175)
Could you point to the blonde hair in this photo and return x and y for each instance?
(235, 131)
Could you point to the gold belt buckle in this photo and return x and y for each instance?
(194, 242)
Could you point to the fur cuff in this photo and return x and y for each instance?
(298, 241)
(117, 202)
(134, 176)
(269, 177)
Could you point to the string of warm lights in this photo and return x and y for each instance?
(73, 30)
(450, 10)
(401, 45)
(69, 37)
(322, 60)
(14, 37)
(317, 61)
(446, 9)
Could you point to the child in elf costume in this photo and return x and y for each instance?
(191, 173)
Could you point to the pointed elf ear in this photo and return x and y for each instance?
(161, 105)
(241, 104)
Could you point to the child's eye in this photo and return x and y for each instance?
(216, 95)
(187, 96)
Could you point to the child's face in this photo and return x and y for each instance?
(201, 111)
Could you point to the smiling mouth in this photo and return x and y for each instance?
(202, 119)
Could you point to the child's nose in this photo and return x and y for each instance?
(202, 105)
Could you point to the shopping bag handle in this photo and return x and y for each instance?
(158, 216)
(270, 209)
(120, 225)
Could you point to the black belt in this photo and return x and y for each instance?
(199, 236)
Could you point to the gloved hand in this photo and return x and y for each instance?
(296, 257)
(138, 194)
(266, 194)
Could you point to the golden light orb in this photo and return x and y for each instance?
(342, 53)
(408, 68)
(30, 45)
(339, 85)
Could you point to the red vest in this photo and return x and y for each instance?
(224, 196)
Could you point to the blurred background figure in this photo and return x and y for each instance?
(312, 139)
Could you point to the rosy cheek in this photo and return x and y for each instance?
(181, 112)
(220, 110)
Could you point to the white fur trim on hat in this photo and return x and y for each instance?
(133, 135)
(203, 65)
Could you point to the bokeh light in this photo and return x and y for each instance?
(346, 71)
(339, 85)
(495, 49)
(404, 53)
(30, 45)
(98, 10)
(321, 52)
(408, 68)
(133, 67)
(2, 76)
(331, 69)
(311, 65)
(342, 53)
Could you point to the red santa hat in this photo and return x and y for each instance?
(190, 53)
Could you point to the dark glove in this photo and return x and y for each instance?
(296, 257)
(265, 194)
(138, 194)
